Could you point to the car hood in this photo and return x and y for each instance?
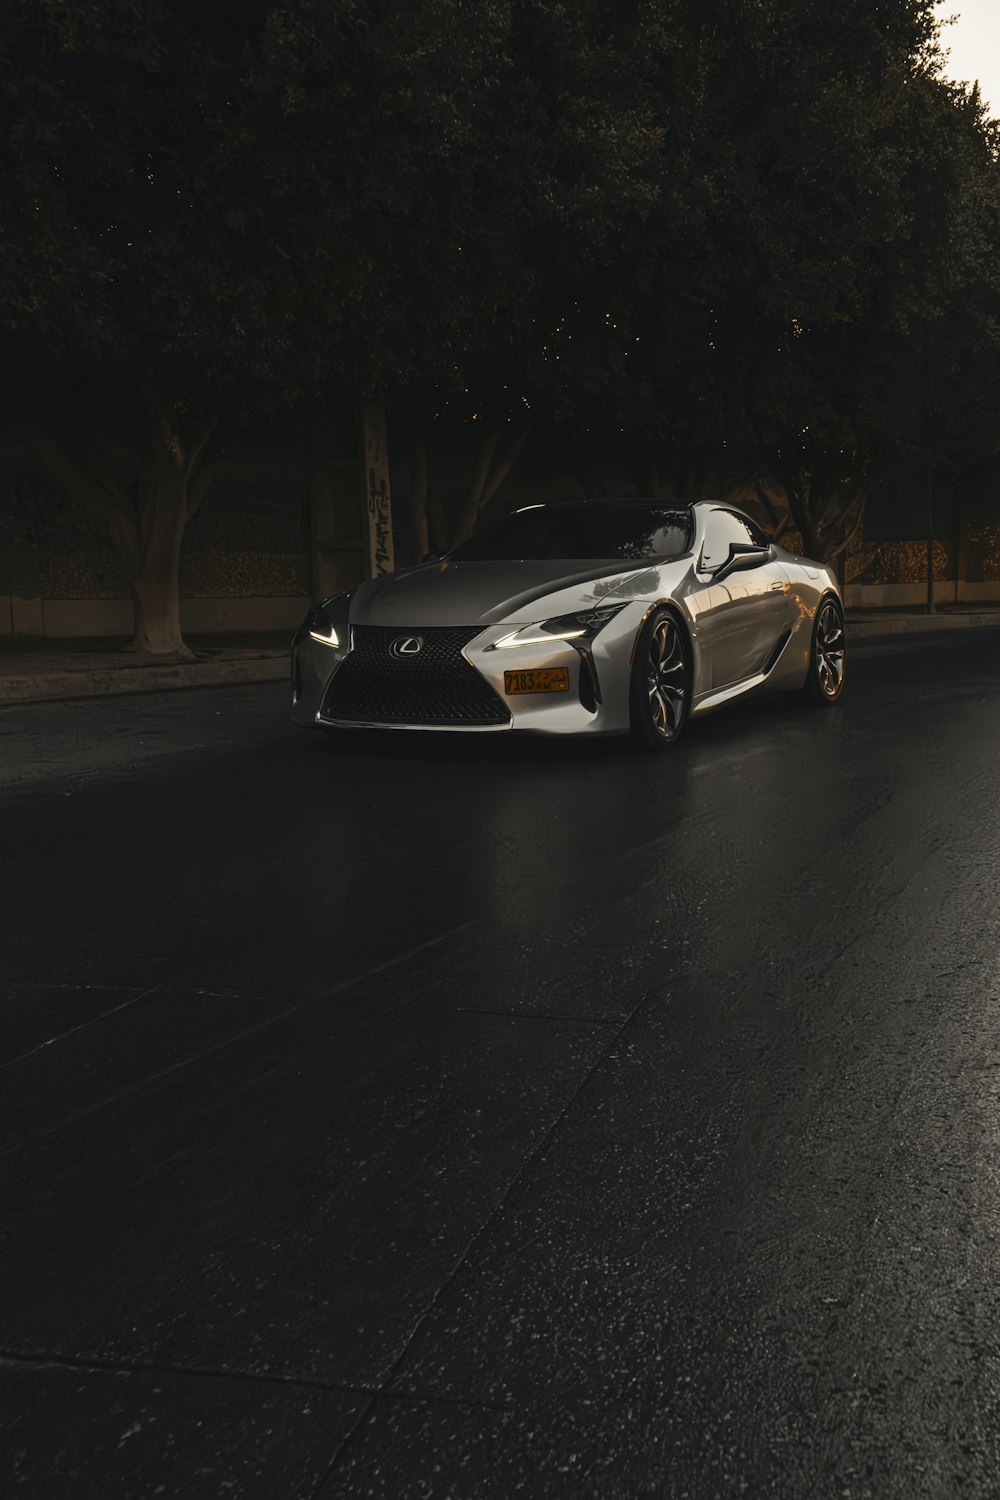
(485, 593)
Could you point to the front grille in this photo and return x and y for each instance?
(435, 686)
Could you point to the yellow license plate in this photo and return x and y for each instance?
(537, 680)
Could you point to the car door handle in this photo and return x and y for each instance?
(775, 585)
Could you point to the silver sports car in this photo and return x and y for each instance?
(615, 617)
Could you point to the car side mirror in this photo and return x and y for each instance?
(743, 555)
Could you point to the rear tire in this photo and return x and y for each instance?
(827, 658)
(660, 684)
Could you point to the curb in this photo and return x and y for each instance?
(873, 629)
(102, 682)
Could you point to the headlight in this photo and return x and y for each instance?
(327, 622)
(578, 628)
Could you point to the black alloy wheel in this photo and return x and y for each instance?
(660, 687)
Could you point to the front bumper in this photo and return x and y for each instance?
(596, 702)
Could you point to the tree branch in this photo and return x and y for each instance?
(517, 441)
(482, 469)
(779, 523)
(197, 447)
(851, 522)
(244, 469)
(102, 500)
(474, 494)
(199, 485)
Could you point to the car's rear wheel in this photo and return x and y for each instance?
(827, 657)
(660, 685)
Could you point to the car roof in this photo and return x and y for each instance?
(605, 500)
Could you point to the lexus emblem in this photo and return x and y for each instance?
(407, 645)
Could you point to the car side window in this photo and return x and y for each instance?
(721, 529)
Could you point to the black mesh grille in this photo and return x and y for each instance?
(435, 685)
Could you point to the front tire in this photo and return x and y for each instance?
(827, 657)
(660, 685)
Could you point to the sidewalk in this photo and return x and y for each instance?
(90, 668)
(866, 624)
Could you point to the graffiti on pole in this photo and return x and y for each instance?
(379, 495)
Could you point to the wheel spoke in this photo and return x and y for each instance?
(830, 660)
(666, 679)
(662, 645)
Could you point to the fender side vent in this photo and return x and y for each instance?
(590, 693)
(779, 646)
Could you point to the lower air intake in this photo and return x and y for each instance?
(432, 686)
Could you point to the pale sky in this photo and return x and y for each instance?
(974, 43)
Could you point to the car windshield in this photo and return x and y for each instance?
(621, 530)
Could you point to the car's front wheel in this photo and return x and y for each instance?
(660, 685)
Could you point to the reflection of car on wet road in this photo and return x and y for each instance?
(613, 617)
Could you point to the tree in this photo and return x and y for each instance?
(942, 339)
(708, 228)
(823, 196)
(878, 184)
(211, 214)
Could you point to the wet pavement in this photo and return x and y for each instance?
(428, 1117)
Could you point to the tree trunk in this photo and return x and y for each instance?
(163, 478)
(421, 520)
(437, 524)
(423, 542)
(144, 527)
(156, 611)
(798, 508)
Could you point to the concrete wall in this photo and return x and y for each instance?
(946, 591)
(63, 618)
(20, 605)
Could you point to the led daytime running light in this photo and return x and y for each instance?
(546, 637)
(330, 639)
(583, 625)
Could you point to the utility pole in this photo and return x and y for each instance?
(375, 459)
(930, 539)
(962, 547)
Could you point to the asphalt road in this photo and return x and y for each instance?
(472, 1118)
